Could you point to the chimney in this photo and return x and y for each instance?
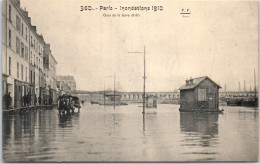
(191, 80)
(34, 28)
(244, 85)
(187, 82)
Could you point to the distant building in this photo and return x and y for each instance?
(110, 99)
(151, 101)
(199, 94)
(63, 88)
(69, 80)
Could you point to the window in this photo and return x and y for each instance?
(17, 45)
(17, 70)
(37, 62)
(10, 66)
(31, 42)
(26, 33)
(34, 59)
(31, 76)
(31, 57)
(22, 48)
(22, 29)
(10, 38)
(10, 13)
(22, 72)
(34, 44)
(202, 94)
(26, 74)
(40, 81)
(18, 23)
(26, 53)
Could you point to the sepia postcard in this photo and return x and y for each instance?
(129, 81)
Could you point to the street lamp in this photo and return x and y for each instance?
(143, 77)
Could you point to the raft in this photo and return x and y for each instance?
(201, 110)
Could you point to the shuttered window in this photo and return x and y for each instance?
(17, 45)
(202, 94)
(18, 23)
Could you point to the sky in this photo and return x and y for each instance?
(219, 39)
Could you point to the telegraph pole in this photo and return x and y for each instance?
(144, 84)
(104, 93)
(254, 82)
(244, 85)
(143, 77)
(114, 90)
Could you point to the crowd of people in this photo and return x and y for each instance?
(67, 102)
(26, 100)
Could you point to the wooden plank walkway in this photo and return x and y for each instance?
(32, 107)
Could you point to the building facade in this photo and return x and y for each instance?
(69, 80)
(199, 94)
(50, 71)
(23, 73)
(63, 88)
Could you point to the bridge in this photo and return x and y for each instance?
(136, 96)
(139, 95)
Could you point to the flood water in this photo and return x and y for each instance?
(99, 133)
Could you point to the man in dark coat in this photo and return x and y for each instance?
(7, 100)
(29, 99)
(50, 100)
(39, 100)
(35, 100)
(24, 100)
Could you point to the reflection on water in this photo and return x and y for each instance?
(203, 125)
(201, 130)
(65, 119)
(101, 133)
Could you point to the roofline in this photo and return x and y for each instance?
(206, 77)
(26, 19)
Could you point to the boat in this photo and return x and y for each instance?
(76, 102)
(245, 101)
(94, 102)
(203, 111)
(112, 104)
(234, 102)
(253, 102)
(68, 103)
